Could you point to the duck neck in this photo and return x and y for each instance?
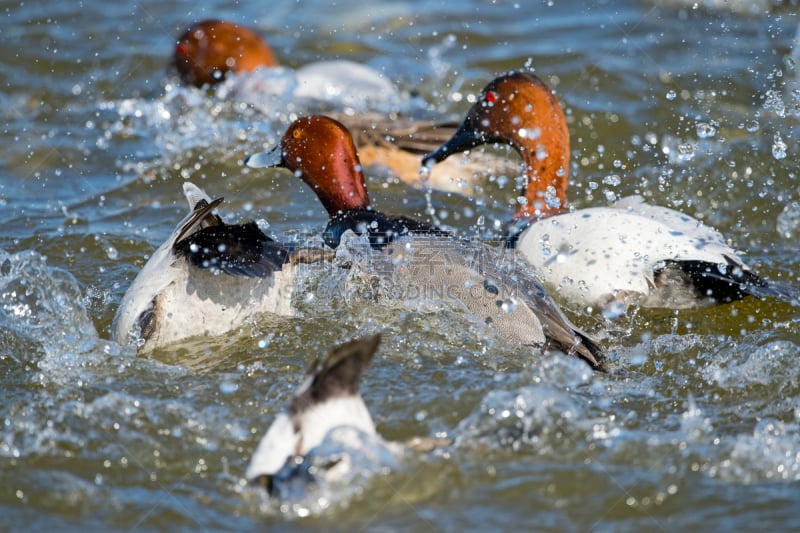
(546, 160)
(343, 188)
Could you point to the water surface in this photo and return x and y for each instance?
(694, 105)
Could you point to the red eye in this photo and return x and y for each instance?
(490, 97)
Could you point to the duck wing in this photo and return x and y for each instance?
(414, 136)
(234, 249)
(492, 285)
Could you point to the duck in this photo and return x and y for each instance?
(605, 258)
(226, 55)
(208, 278)
(419, 259)
(207, 51)
(328, 400)
(211, 52)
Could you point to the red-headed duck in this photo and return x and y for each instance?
(601, 257)
(320, 151)
(207, 278)
(210, 50)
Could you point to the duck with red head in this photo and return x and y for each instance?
(601, 257)
(419, 258)
(321, 151)
(210, 51)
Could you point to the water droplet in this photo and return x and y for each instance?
(533, 133)
(612, 179)
(551, 197)
(509, 305)
(614, 310)
(547, 249)
(671, 95)
(778, 147)
(788, 224)
(228, 387)
(111, 252)
(774, 101)
(705, 130)
(685, 152)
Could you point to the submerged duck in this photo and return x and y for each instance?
(210, 50)
(418, 256)
(327, 401)
(207, 278)
(599, 257)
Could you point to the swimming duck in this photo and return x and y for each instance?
(604, 258)
(210, 50)
(419, 256)
(327, 401)
(207, 278)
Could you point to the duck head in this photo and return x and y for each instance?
(210, 49)
(320, 151)
(520, 110)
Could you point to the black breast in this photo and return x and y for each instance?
(381, 228)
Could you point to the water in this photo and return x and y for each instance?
(692, 104)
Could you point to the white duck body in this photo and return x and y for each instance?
(283, 440)
(340, 84)
(173, 299)
(326, 405)
(600, 256)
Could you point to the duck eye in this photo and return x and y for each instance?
(490, 97)
(296, 134)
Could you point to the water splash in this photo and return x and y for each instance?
(778, 147)
(788, 223)
(45, 305)
(330, 475)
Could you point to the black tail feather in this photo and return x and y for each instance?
(730, 282)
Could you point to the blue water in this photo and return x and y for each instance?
(695, 105)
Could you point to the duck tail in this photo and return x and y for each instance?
(761, 288)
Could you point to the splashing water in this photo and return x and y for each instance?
(788, 224)
(45, 305)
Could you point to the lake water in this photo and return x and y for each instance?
(695, 105)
